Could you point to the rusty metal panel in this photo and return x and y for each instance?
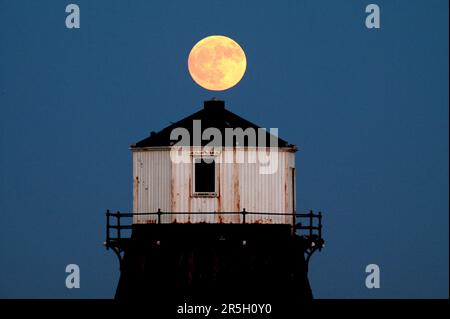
(184, 200)
(151, 183)
(162, 184)
(181, 188)
(266, 193)
(229, 195)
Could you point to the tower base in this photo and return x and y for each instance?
(213, 263)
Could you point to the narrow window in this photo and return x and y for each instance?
(205, 175)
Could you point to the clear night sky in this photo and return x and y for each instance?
(368, 110)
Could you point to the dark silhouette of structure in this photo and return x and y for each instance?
(234, 236)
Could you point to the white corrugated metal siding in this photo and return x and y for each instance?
(151, 183)
(161, 184)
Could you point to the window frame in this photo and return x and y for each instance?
(215, 193)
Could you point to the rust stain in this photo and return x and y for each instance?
(236, 190)
(219, 204)
(286, 193)
(219, 209)
(237, 200)
(172, 191)
(219, 197)
(136, 194)
(190, 197)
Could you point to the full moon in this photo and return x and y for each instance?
(217, 63)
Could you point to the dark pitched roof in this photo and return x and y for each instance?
(214, 115)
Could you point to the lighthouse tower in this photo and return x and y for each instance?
(214, 215)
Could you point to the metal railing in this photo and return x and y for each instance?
(308, 224)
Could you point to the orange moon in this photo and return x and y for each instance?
(217, 63)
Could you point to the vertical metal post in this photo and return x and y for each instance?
(243, 216)
(118, 225)
(159, 215)
(293, 223)
(320, 229)
(320, 224)
(311, 222)
(107, 229)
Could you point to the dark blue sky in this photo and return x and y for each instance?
(368, 110)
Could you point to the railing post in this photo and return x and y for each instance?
(243, 215)
(311, 222)
(320, 227)
(107, 229)
(293, 222)
(159, 215)
(118, 225)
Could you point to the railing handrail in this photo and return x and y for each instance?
(119, 214)
(296, 226)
